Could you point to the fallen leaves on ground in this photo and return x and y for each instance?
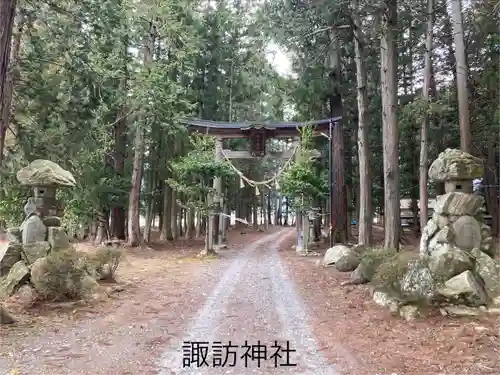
(365, 339)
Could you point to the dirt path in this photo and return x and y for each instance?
(244, 295)
(254, 302)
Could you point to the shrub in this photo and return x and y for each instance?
(391, 271)
(106, 260)
(59, 276)
(372, 259)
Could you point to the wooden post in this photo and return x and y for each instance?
(217, 219)
(330, 186)
(225, 220)
(209, 238)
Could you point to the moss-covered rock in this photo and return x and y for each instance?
(348, 262)
(5, 317)
(43, 172)
(389, 274)
(370, 261)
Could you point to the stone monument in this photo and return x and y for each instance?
(456, 270)
(457, 219)
(41, 231)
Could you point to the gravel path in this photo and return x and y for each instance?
(254, 301)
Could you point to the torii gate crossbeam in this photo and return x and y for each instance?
(258, 132)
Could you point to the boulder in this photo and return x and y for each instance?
(34, 251)
(461, 310)
(467, 233)
(17, 276)
(38, 270)
(463, 288)
(334, 253)
(453, 164)
(27, 295)
(446, 261)
(458, 204)
(487, 247)
(440, 220)
(409, 312)
(370, 262)
(429, 231)
(357, 277)
(42, 172)
(33, 230)
(57, 238)
(10, 254)
(485, 231)
(385, 300)
(5, 317)
(417, 283)
(52, 221)
(104, 272)
(348, 262)
(489, 272)
(444, 236)
(14, 234)
(496, 301)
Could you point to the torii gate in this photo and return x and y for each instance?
(259, 132)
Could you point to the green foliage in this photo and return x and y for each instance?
(14, 196)
(389, 274)
(63, 276)
(81, 75)
(305, 181)
(105, 262)
(192, 173)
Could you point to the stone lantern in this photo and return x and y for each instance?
(457, 216)
(41, 230)
(457, 170)
(457, 263)
(45, 177)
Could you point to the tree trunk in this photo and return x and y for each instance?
(390, 131)
(7, 87)
(492, 188)
(120, 139)
(149, 212)
(348, 188)
(166, 229)
(198, 225)
(424, 132)
(278, 213)
(7, 15)
(285, 220)
(159, 205)
(190, 224)
(462, 76)
(269, 208)
(365, 218)
(338, 209)
(174, 215)
(255, 216)
(134, 229)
